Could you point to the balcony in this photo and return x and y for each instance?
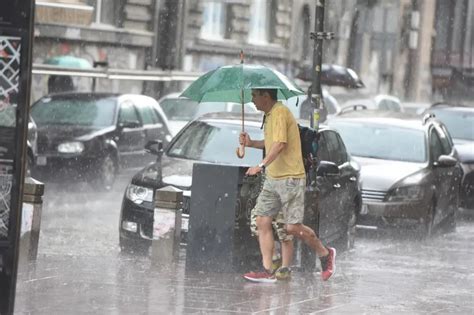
(67, 12)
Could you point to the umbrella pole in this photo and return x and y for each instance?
(241, 149)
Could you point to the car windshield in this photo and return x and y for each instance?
(459, 123)
(386, 142)
(215, 142)
(98, 112)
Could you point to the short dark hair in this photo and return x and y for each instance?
(272, 92)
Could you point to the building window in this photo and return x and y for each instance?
(259, 22)
(214, 20)
(105, 11)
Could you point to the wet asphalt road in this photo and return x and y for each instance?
(80, 270)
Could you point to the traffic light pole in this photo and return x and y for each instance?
(16, 39)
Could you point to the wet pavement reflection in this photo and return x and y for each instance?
(80, 270)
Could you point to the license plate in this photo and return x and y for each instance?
(41, 160)
(364, 209)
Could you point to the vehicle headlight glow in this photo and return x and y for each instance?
(71, 147)
(407, 193)
(139, 194)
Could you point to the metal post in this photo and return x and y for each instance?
(318, 36)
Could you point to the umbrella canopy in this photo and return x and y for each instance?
(68, 62)
(225, 84)
(332, 75)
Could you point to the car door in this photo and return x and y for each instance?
(153, 122)
(450, 176)
(130, 136)
(328, 192)
(443, 177)
(342, 184)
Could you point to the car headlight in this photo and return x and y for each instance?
(71, 147)
(406, 193)
(139, 194)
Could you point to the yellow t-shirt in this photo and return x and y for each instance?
(281, 126)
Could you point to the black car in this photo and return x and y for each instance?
(460, 122)
(410, 170)
(91, 136)
(212, 139)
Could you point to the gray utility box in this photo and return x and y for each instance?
(33, 192)
(219, 238)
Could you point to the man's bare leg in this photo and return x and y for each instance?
(287, 248)
(265, 239)
(308, 236)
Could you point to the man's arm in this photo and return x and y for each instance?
(258, 144)
(275, 150)
(244, 138)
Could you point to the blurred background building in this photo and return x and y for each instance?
(418, 50)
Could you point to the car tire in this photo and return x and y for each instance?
(104, 179)
(128, 246)
(349, 236)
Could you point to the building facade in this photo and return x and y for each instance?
(412, 49)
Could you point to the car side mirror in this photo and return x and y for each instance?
(154, 147)
(327, 168)
(129, 124)
(446, 161)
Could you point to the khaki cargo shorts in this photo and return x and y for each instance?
(282, 199)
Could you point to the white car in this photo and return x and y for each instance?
(181, 110)
(378, 102)
(302, 113)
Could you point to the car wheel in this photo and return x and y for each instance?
(128, 246)
(348, 238)
(106, 173)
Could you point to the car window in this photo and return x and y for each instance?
(215, 142)
(459, 123)
(436, 147)
(237, 108)
(322, 153)
(389, 105)
(336, 154)
(95, 112)
(148, 114)
(179, 108)
(386, 142)
(128, 112)
(331, 104)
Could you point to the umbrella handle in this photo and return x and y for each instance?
(240, 151)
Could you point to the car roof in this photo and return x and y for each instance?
(382, 117)
(81, 95)
(254, 120)
(453, 108)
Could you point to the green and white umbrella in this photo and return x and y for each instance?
(226, 83)
(235, 84)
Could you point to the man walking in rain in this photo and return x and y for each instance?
(284, 186)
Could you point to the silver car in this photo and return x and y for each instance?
(409, 169)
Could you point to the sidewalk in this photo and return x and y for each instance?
(383, 275)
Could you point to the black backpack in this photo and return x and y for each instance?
(309, 145)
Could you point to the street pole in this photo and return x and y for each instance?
(16, 41)
(315, 91)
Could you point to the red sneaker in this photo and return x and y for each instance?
(328, 264)
(262, 276)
